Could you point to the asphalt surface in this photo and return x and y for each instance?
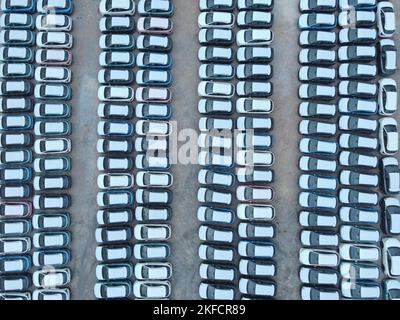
(184, 242)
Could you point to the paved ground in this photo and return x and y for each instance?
(184, 223)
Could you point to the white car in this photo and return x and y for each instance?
(207, 158)
(216, 234)
(256, 212)
(356, 18)
(256, 250)
(51, 294)
(206, 195)
(114, 217)
(15, 246)
(357, 71)
(391, 257)
(250, 175)
(314, 182)
(317, 92)
(312, 5)
(116, 94)
(314, 56)
(115, 181)
(147, 179)
(216, 253)
(311, 127)
(356, 53)
(318, 220)
(352, 196)
(113, 253)
(117, 8)
(54, 39)
(357, 289)
(354, 178)
(216, 20)
(387, 96)
(254, 268)
(358, 215)
(254, 194)
(358, 89)
(319, 276)
(318, 146)
(51, 278)
(307, 163)
(316, 38)
(388, 136)
(319, 258)
(352, 141)
(153, 128)
(317, 201)
(359, 252)
(255, 158)
(357, 36)
(391, 289)
(216, 291)
(210, 89)
(151, 251)
(53, 22)
(319, 293)
(153, 271)
(310, 238)
(356, 234)
(254, 37)
(386, 17)
(391, 175)
(357, 106)
(214, 215)
(216, 272)
(361, 271)
(354, 123)
(254, 105)
(391, 212)
(312, 109)
(211, 177)
(256, 288)
(152, 232)
(357, 4)
(151, 214)
(112, 290)
(353, 159)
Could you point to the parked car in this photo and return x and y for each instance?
(53, 22)
(357, 36)
(317, 20)
(318, 201)
(216, 5)
(315, 38)
(387, 57)
(355, 53)
(113, 290)
(163, 8)
(357, 289)
(317, 92)
(386, 19)
(120, 8)
(387, 96)
(391, 175)
(391, 215)
(111, 24)
(388, 136)
(254, 37)
(53, 39)
(153, 25)
(313, 6)
(357, 19)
